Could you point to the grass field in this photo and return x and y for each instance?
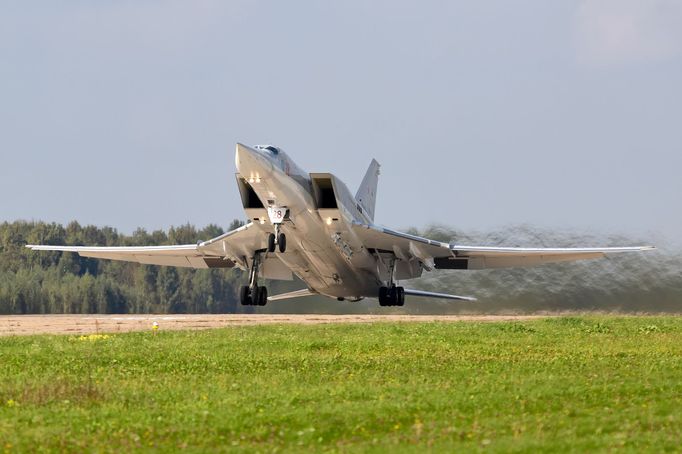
(562, 384)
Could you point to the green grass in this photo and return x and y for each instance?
(565, 384)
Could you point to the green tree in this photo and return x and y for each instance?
(56, 282)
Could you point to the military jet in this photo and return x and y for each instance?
(310, 225)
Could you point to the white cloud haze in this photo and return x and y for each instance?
(629, 31)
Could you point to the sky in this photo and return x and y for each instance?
(562, 114)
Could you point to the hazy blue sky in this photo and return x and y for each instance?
(554, 113)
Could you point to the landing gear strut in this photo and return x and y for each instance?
(253, 294)
(391, 295)
(277, 239)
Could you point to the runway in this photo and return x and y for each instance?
(116, 323)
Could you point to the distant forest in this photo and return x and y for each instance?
(65, 283)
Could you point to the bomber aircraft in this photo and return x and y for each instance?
(312, 226)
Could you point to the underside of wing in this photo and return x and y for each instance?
(238, 245)
(404, 246)
(231, 249)
(478, 258)
(186, 255)
(435, 254)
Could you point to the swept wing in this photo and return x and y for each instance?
(436, 254)
(226, 251)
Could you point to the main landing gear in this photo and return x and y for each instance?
(253, 294)
(391, 295)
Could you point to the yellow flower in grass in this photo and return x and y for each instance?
(93, 337)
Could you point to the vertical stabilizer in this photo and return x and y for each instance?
(367, 193)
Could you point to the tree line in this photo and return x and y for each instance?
(65, 283)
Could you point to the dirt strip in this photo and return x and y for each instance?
(86, 324)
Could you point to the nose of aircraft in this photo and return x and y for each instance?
(251, 163)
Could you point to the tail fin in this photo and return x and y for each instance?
(367, 193)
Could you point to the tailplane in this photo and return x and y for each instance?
(367, 193)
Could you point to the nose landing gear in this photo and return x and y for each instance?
(277, 240)
(272, 242)
(277, 216)
(282, 242)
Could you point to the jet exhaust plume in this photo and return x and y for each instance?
(648, 282)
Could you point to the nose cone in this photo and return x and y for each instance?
(250, 162)
(241, 156)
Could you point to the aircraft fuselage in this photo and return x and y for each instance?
(322, 249)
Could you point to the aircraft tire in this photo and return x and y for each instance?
(393, 296)
(400, 296)
(245, 297)
(282, 243)
(383, 296)
(262, 296)
(271, 242)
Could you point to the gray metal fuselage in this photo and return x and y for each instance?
(322, 249)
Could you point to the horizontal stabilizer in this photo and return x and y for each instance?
(294, 294)
(437, 295)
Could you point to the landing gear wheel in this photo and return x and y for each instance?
(282, 242)
(271, 242)
(253, 294)
(245, 296)
(393, 296)
(384, 297)
(262, 296)
(400, 296)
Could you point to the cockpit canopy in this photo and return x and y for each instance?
(280, 159)
(274, 150)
